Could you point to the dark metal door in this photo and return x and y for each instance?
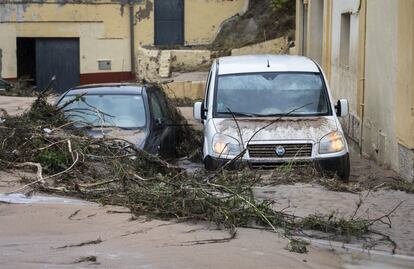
(169, 22)
(57, 57)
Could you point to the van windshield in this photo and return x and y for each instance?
(271, 94)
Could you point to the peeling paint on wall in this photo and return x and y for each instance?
(64, 2)
(144, 13)
(8, 9)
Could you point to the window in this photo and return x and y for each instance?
(345, 39)
(123, 111)
(271, 94)
(156, 107)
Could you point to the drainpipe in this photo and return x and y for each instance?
(363, 77)
(132, 37)
(304, 25)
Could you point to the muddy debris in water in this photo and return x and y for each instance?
(109, 171)
(90, 259)
(90, 242)
(23, 87)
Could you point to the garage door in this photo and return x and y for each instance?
(169, 22)
(57, 57)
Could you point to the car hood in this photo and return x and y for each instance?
(135, 137)
(290, 128)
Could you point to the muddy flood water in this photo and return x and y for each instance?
(43, 231)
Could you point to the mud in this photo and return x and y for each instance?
(260, 23)
(31, 234)
(35, 236)
(15, 105)
(310, 129)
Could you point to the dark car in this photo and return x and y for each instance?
(135, 113)
(5, 85)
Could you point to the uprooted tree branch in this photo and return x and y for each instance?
(111, 171)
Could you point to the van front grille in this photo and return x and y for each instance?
(290, 150)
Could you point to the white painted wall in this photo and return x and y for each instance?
(381, 70)
(315, 29)
(344, 80)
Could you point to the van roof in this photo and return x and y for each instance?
(265, 63)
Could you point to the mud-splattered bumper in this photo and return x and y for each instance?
(327, 164)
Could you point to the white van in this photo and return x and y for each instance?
(265, 110)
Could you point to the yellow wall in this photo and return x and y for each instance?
(379, 79)
(103, 31)
(379, 139)
(327, 38)
(103, 27)
(202, 20)
(144, 23)
(405, 75)
(204, 17)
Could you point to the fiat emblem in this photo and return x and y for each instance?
(280, 151)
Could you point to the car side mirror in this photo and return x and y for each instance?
(198, 111)
(342, 108)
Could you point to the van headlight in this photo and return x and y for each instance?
(226, 145)
(331, 143)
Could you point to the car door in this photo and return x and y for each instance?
(161, 140)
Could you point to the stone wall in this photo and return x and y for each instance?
(274, 46)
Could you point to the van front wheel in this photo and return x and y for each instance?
(210, 164)
(344, 169)
(339, 165)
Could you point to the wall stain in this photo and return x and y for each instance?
(144, 13)
(20, 6)
(64, 2)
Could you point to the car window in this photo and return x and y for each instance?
(163, 102)
(156, 106)
(264, 94)
(124, 111)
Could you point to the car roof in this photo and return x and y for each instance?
(114, 88)
(265, 63)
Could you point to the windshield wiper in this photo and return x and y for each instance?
(89, 127)
(241, 114)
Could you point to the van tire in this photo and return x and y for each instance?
(344, 169)
(339, 165)
(210, 164)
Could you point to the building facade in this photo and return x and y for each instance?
(91, 41)
(366, 48)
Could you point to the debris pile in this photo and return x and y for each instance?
(264, 20)
(22, 87)
(112, 171)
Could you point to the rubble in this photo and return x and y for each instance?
(22, 87)
(111, 171)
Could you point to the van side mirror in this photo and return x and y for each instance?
(198, 111)
(342, 108)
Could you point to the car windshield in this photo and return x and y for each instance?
(123, 111)
(271, 94)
